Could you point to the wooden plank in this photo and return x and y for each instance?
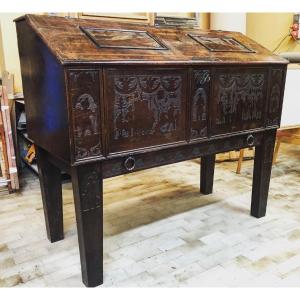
(9, 140)
(4, 158)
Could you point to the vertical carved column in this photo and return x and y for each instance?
(51, 188)
(87, 189)
(275, 97)
(262, 174)
(84, 93)
(207, 173)
(200, 99)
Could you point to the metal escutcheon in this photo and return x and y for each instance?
(250, 140)
(129, 163)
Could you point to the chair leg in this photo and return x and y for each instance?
(239, 165)
(276, 151)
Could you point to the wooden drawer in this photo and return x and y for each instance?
(136, 162)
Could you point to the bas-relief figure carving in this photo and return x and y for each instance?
(200, 104)
(146, 105)
(275, 97)
(86, 119)
(239, 97)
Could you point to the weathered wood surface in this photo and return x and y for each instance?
(66, 38)
(108, 98)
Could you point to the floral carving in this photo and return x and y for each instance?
(86, 116)
(199, 104)
(275, 97)
(146, 105)
(239, 97)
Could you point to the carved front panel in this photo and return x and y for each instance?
(275, 97)
(85, 105)
(146, 107)
(238, 99)
(199, 106)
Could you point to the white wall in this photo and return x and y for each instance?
(9, 59)
(228, 21)
(291, 100)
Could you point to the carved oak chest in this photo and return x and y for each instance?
(104, 99)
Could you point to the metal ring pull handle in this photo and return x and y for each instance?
(250, 140)
(129, 163)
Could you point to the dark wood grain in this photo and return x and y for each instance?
(84, 95)
(146, 107)
(207, 174)
(277, 77)
(262, 174)
(199, 110)
(165, 155)
(106, 98)
(44, 93)
(67, 41)
(88, 198)
(238, 99)
(51, 188)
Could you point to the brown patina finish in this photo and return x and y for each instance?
(105, 98)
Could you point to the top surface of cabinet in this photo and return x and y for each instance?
(97, 41)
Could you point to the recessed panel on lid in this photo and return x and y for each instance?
(220, 43)
(128, 39)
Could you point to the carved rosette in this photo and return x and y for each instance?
(199, 105)
(84, 95)
(275, 99)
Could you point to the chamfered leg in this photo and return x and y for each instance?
(87, 188)
(262, 173)
(207, 173)
(51, 188)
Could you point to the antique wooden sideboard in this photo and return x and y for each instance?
(104, 99)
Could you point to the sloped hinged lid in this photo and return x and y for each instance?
(97, 41)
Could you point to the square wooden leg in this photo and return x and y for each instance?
(262, 174)
(87, 189)
(207, 173)
(51, 188)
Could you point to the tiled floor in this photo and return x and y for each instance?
(159, 231)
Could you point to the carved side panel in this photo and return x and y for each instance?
(275, 97)
(238, 100)
(199, 105)
(85, 104)
(146, 108)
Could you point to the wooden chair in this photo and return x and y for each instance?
(290, 135)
